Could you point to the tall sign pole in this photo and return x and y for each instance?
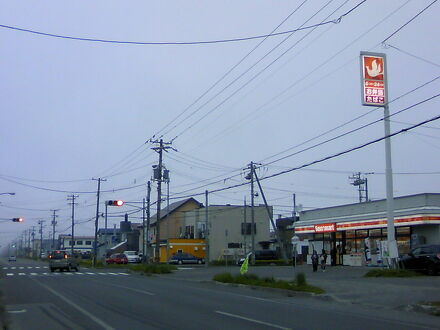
(375, 93)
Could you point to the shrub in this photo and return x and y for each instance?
(300, 279)
(153, 268)
(390, 273)
(224, 277)
(251, 279)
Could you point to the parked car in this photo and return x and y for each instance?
(118, 258)
(43, 255)
(132, 256)
(424, 258)
(61, 260)
(261, 255)
(12, 258)
(185, 258)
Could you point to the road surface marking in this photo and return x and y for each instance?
(21, 274)
(34, 274)
(10, 274)
(252, 320)
(18, 312)
(123, 274)
(13, 267)
(91, 273)
(68, 273)
(37, 267)
(21, 267)
(82, 310)
(131, 289)
(30, 267)
(5, 267)
(78, 273)
(102, 273)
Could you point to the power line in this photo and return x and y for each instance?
(330, 58)
(249, 80)
(321, 159)
(53, 35)
(228, 72)
(412, 19)
(412, 55)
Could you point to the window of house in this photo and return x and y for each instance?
(88, 242)
(79, 242)
(189, 232)
(247, 227)
(234, 245)
(70, 243)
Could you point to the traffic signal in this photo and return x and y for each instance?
(115, 203)
(17, 219)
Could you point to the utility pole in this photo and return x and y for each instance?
(158, 176)
(277, 234)
(206, 230)
(250, 176)
(72, 198)
(40, 222)
(53, 227)
(147, 230)
(33, 240)
(95, 245)
(294, 208)
(245, 226)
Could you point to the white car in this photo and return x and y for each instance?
(132, 257)
(12, 258)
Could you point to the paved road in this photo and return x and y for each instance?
(108, 299)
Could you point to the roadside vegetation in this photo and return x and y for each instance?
(391, 273)
(298, 284)
(153, 268)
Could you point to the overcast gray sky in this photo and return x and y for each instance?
(73, 110)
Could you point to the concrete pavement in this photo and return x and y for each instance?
(342, 284)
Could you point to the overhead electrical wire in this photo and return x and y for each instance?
(228, 72)
(246, 117)
(319, 160)
(412, 55)
(412, 19)
(226, 40)
(248, 81)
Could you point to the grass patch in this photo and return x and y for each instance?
(390, 273)
(299, 284)
(153, 268)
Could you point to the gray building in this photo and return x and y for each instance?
(230, 227)
(360, 230)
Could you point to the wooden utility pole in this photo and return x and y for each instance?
(72, 198)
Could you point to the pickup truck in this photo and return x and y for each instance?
(61, 260)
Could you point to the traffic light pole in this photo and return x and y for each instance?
(95, 245)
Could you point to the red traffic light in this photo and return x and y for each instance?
(115, 203)
(17, 219)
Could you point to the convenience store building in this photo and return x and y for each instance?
(356, 234)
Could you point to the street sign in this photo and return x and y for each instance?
(295, 240)
(373, 76)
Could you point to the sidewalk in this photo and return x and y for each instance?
(342, 284)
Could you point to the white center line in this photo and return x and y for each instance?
(252, 320)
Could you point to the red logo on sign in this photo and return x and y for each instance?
(325, 228)
(373, 68)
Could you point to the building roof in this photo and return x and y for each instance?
(404, 205)
(109, 231)
(173, 207)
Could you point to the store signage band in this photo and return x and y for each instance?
(325, 228)
(373, 76)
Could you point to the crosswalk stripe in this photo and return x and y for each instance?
(13, 267)
(21, 274)
(78, 273)
(91, 273)
(64, 274)
(34, 274)
(10, 274)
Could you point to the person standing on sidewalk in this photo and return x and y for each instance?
(315, 258)
(323, 260)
